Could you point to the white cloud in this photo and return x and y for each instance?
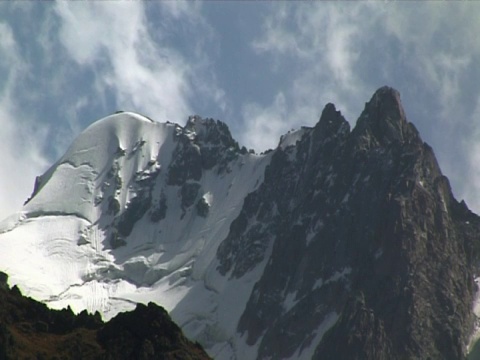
(21, 160)
(469, 178)
(182, 10)
(85, 57)
(19, 139)
(264, 126)
(322, 51)
(317, 47)
(276, 36)
(7, 44)
(343, 52)
(114, 36)
(340, 53)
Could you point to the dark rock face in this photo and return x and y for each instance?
(146, 333)
(363, 225)
(29, 330)
(365, 338)
(201, 144)
(159, 210)
(202, 207)
(361, 249)
(189, 193)
(220, 149)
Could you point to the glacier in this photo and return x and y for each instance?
(338, 243)
(56, 248)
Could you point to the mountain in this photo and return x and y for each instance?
(339, 243)
(29, 330)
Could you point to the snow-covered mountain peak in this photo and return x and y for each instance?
(120, 131)
(257, 256)
(135, 211)
(118, 147)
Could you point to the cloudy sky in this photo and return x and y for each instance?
(261, 67)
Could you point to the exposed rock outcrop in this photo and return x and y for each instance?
(364, 225)
(339, 244)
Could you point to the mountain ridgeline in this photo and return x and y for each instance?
(364, 226)
(372, 210)
(29, 330)
(338, 244)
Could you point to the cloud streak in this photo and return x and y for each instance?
(163, 59)
(114, 37)
(340, 53)
(88, 60)
(259, 122)
(316, 46)
(19, 140)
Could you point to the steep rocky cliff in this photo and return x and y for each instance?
(339, 244)
(365, 229)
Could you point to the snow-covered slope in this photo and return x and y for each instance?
(339, 243)
(108, 226)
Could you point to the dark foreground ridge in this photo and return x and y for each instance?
(29, 330)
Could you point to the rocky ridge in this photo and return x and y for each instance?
(364, 229)
(29, 330)
(339, 243)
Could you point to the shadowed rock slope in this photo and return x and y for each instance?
(338, 244)
(368, 237)
(29, 330)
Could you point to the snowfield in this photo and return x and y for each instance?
(57, 249)
(257, 256)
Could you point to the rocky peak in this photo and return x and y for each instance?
(367, 224)
(383, 120)
(336, 244)
(211, 140)
(210, 132)
(331, 122)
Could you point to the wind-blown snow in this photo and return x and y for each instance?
(56, 249)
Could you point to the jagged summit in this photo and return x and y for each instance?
(336, 238)
(210, 131)
(331, 121)
(383, 121)
(213, 140)
(386, 105)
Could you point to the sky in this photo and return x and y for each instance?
(261, 67)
